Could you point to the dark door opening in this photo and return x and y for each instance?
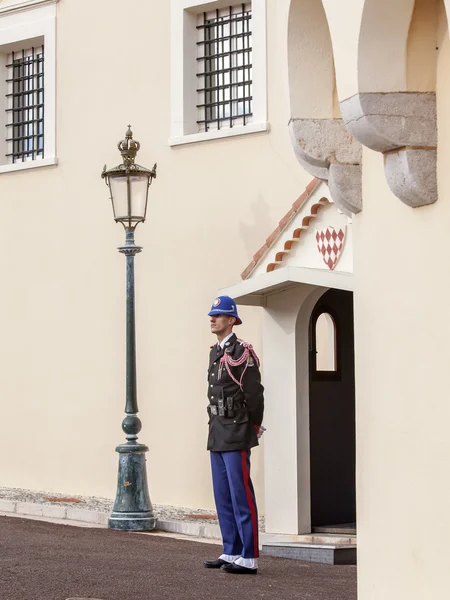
(332, 413)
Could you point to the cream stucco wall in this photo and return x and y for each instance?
(401, 285)
(63, 301)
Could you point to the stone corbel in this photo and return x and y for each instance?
(401, 125)
(327, 151)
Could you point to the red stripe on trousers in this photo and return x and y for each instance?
(251, 504)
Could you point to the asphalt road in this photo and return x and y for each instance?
(44, 561)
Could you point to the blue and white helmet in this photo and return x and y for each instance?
(224, 305)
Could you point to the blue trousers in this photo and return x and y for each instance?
(235, 503)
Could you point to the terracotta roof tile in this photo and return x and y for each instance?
(296, 235)
(284, 222)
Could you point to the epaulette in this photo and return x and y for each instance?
(251, 352)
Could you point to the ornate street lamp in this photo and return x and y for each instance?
(128, 185)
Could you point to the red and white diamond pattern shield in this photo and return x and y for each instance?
(330, 243)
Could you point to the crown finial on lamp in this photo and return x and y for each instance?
(128, 148)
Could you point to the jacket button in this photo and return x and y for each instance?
(212, 397)
(211, 385)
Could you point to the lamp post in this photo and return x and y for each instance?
(128, 185)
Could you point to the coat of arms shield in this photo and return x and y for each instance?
(330, 243)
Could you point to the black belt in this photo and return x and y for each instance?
(215, 409)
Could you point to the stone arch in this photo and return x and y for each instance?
(402, 61)
(382, 45)
(310, 62)
(394, 109)
(421, 50)
(321, 143)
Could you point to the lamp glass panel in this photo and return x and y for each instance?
(139, 191)
(119, 195)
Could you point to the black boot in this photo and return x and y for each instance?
(215, 564)
(238, 570)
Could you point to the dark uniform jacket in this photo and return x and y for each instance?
(235, 432)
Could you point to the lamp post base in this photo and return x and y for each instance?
(132, 521)
(132, 509)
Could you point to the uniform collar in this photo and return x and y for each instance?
(227, 341)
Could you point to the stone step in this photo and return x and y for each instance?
(325, 538)
(329, 554)
(310, 538)
(336, 529)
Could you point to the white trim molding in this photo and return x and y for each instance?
(36, 25)
(183, 71)
(31, 164)
(256, 290)
(219, 134)
(19, 5)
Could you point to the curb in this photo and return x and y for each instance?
(32, 509)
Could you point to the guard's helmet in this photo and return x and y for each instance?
(224, 305)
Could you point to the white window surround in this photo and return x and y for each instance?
(21, 25)
(183, 70)
(16, 5)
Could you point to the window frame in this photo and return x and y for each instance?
(23, 28)
(183, 72)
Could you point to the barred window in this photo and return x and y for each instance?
(224, 74)
(25, 105)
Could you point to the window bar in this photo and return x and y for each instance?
(42, 110)
(249, 72)
(224, 118)
(221, 95)
(233, 18)
(11, 87)
(216, 47)
(245, 42)
(16, 102)
(221, 87)
(228, 37)
(20, 72)
(207, 53)
(36, 110)
(235, 69)
(25, 103)
(223, 103)
(29, 99)
(24, 113)
(33, 110)
(230, 72)
(232, 52)
(214, 67)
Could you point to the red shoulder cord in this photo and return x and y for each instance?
(245, 357)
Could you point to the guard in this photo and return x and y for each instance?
(236, 406)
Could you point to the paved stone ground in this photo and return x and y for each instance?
(42, 561)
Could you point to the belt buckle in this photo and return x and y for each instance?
(214, 410)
